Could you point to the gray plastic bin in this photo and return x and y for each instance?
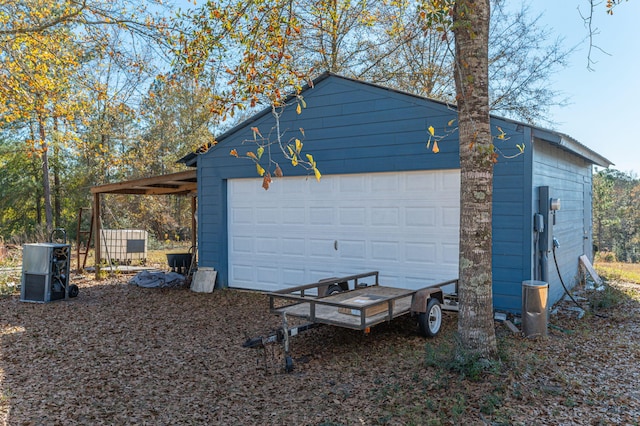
(534, 308)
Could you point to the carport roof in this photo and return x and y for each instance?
(181, 183)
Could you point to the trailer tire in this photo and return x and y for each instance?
(73, 290)
(333, 289)
(430, 321)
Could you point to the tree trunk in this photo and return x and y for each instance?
(46, 186)
(57, 208)
(475, 320)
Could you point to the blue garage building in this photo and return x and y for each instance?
(385, 202)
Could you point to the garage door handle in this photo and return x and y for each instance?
(335, 244)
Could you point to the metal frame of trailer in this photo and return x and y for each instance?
(357, 302)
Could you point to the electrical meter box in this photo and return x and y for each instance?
(45, 272)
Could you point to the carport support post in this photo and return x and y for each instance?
(194, 222)
(96, 224)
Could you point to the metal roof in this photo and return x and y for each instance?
(181, 183)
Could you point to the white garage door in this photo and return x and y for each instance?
(404, 225)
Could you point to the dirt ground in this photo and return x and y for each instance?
(120, 354)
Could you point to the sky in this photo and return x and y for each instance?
(604, 109)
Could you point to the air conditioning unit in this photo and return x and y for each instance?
(45, 272)
(123, 246)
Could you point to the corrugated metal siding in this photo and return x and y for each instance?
(566, 175)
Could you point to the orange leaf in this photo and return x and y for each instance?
(255, 131)
(234, 153)
(266, 181)
(435, 147)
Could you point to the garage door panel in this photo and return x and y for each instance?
(420, 216)
(384, 251)
(267, 245)
(242, 215)
(403, 224)
(385, 216)
(421, 183)
(292, 215)
(386, 183)
(450, 253)
(320, 215)
(243, 273)
(353, 249)
(293, 247)
(352, 216)
(242, 245)
(421, 253)
(321, 248)
(268, 216)
(353, 184)
(292, 277)
(269, 275)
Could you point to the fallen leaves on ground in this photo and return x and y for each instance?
(120, 354)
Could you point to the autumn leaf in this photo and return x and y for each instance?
(278, 171)
(234, 153)
(256, 132)
(435, 147)
(502, 134)
(317, 173)
(299, 109)
(294, 160)
(431, 131)
(260, 151)
(266, 181)
(259, 169)
(252, 155)
(298, 146)
(310, 158)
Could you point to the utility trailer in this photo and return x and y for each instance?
(357, 302)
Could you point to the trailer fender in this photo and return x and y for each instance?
(421, 298)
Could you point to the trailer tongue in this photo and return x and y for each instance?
(358, 302)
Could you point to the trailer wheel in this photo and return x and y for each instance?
(333, 289)
(430, 321)
(73, 290)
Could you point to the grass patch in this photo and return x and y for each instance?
(618, 271)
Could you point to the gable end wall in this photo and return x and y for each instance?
(569, 179)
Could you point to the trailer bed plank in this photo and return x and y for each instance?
(330, 314)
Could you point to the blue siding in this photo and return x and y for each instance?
(352, 127)
(511, 207)
(566, 175)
